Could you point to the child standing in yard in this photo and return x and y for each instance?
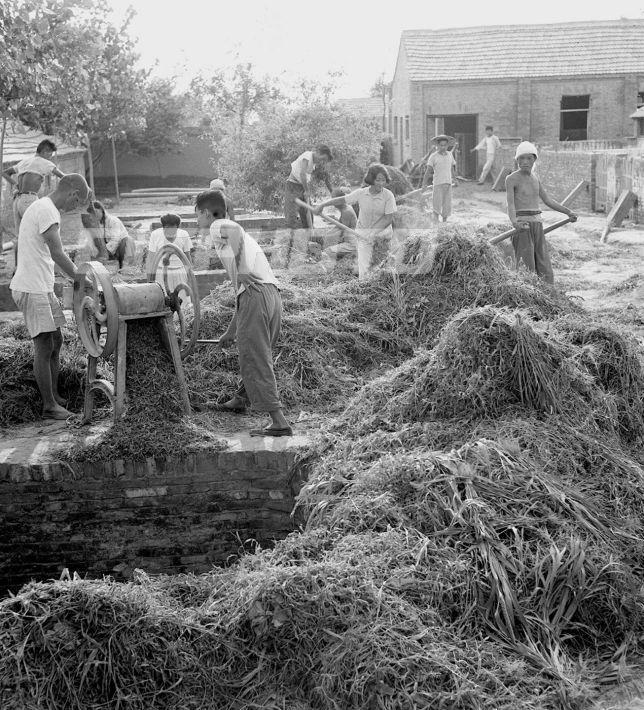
(523, 192)
(258, 314)
(441, 167)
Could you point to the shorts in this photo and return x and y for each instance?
(41, 311)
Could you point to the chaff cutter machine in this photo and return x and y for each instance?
(103, 310)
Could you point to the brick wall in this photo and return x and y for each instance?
(608, 115)
(172, 516)
(523, 108)
(560, 171)
(400, 107)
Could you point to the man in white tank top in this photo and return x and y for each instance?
(257, 320)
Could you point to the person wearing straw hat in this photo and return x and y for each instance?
(523, 191)
(441, 169)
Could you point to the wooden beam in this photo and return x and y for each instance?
(414, 194)
(330, 220)
(620, 209)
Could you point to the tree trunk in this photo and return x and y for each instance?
(116, 175)
(2, 135)
(90, 161)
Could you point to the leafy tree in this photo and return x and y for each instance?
(70, 70)
(164, 125)
(286, 131)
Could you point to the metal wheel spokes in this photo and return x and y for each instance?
(181, 292)
(96, 309)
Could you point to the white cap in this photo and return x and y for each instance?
(526, 148)
(217, 184)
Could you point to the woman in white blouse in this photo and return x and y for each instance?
(377, 207)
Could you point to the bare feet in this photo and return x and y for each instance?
(59, 413)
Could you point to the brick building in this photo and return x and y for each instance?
(550, 84)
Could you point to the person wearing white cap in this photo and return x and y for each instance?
(523, 191)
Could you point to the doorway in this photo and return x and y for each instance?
(464, 128)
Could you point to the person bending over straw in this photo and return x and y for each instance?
(377, 207)
(523, 192)
(257, 320)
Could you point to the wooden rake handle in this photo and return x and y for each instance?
(511, 232)
(330, 220)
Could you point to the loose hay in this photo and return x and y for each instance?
(153, 423)
(472, 521)
(20, 399)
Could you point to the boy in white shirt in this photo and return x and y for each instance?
(169, 233)
(257, 320)
(491, 144)
(441, 167)
(32, 287)
(298, 185)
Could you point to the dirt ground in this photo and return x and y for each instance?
(607, 279)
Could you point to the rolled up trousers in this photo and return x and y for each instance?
(259, 319)
(531, 248)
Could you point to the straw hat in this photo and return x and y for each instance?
(526, 148)
(442, 137)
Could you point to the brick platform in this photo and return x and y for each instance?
(161, 515)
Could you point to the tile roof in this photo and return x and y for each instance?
(639, 113)
(513, 51)
(368, 107)
(21, 143)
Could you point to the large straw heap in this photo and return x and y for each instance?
(472, 532)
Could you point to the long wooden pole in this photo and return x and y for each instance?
(414, 193)
(568, 199)
(330, 220)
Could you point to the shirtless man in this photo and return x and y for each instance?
(30, 175)
(523, 192)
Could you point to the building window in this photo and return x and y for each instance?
(395, 126)
(407, 127)
(574, 118)
(640, 99)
